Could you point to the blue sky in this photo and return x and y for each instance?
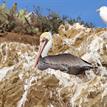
(86, 9)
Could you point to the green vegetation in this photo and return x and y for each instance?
(12, 20)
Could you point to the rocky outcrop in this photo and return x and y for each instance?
(21, 85)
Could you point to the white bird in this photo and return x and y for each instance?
(103, 13)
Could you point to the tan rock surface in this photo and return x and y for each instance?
(21, 85)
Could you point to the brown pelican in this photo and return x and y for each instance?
(64, 62)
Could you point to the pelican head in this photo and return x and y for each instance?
(45, 45)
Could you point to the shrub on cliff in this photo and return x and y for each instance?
(12, 20)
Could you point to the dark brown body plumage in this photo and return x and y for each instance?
(64, 62)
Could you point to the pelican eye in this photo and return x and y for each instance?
(43, 40)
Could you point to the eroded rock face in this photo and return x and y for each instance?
(21, 85)
(11, 90)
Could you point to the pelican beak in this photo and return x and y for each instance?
(41, 47)
(98, 10)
